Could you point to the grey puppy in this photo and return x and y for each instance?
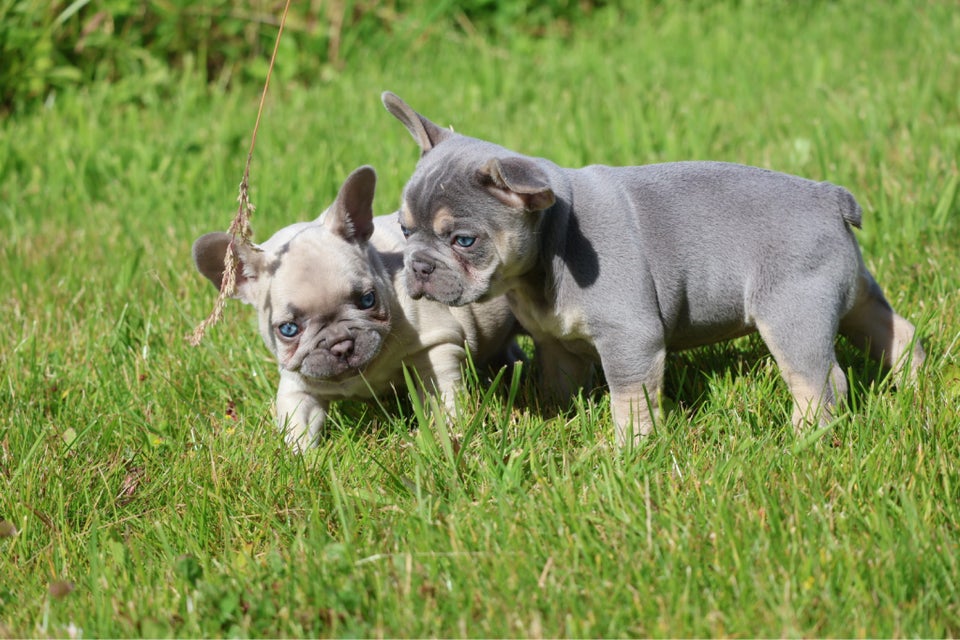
(331, 311)
(620, 264)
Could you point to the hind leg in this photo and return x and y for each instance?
(814, 378)
(873, 326)
(802, 343)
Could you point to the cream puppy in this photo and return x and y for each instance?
(332, 309)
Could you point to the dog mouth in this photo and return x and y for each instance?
(343, 359)
(333, 371)
(448, 291)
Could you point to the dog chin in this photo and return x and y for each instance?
(331, 369)
(453, 293)
(418, 289)
(458, 299)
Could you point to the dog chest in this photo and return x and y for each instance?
(546, 318)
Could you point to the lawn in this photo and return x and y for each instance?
(144, 490)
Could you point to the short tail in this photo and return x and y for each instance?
(850, 209)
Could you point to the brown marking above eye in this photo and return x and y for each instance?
(443, 222)
(406, 218)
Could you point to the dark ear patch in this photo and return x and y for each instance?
(351, 214)
(517, 182)
(426, 133)
(209, 253)
(209, 256)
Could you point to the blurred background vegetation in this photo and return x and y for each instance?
(46, 46)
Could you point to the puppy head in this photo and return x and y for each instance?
(322, 296)
(470, 212)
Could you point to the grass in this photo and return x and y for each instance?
(146, 493)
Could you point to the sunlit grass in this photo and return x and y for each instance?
(146, 491)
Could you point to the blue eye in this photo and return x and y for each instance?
(288, 329)
(464, 241)
(405, 231)
(367, 300)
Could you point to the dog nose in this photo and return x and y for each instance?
(343, 348)
(422, 269)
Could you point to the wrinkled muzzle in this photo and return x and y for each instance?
(428, 277)
(346, 352)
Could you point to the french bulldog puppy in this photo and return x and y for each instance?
(331, 311)
(617, 265)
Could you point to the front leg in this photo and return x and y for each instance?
(634, 374)
(299, 414)
(446, 374)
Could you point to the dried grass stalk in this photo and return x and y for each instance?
(240, 228)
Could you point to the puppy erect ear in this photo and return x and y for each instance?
(427, 134)
(517, 182)
(209, 256)
(351, 214)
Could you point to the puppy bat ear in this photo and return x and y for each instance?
(209, 256)
(426, 133)
(517, 182)
(351, 214)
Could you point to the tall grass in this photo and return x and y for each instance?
(145, 491)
